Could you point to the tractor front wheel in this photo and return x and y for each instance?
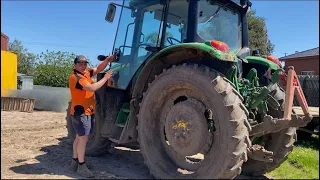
(192, 124)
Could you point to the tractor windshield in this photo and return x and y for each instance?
(219, 22)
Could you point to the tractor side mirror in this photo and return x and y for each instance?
(111, 12)
(243, 53)
(101, 57)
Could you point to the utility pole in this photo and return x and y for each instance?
(285, 54)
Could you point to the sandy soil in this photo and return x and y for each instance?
(34, 146)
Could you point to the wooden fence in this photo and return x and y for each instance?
(17, 104)
(310, 87)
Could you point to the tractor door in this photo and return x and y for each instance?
(138, 27)
(177, 21)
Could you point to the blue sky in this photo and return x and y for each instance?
(79, 26)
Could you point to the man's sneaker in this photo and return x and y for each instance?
(84, 171)
(74, 165)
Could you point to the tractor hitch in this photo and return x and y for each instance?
(258, 153)
(272, 125)
(293, 88)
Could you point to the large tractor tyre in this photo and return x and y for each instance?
(192, 124)
(96, 144)
(280, 143)
(71, 132)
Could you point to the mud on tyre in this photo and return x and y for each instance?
(189, 110)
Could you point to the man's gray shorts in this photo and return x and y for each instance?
(82, 124)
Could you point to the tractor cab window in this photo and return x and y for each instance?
(177, 19)
(138, 28)
(219, 22)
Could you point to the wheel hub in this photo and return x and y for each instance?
(186, 127)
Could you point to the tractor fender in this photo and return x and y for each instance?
(262, 61)
(206, 48)
(200, 53)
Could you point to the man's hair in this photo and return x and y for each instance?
(79, 58)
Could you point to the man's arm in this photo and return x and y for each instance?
(95, 86)
(102, 66)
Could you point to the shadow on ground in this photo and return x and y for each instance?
(116, 164)
(312, 142)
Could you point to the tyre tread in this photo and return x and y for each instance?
(231, 100)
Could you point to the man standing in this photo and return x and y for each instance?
(82, 90)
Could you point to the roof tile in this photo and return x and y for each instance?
(310, 52)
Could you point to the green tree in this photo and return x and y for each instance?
(54, 68)
(258, 34)
(25, 59)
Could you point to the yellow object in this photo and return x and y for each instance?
(8, 72)
(181, 124)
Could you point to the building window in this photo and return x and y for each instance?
(307, 73)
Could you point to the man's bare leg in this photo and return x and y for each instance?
(81, 148)
(82, 125)
(75, 147)
(74, 163)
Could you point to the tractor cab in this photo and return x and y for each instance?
(147, 26)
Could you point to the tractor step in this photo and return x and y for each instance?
(120, 125)
(114, 140)
(119, 134)
(116, 132)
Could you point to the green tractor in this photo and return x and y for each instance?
(188, 92)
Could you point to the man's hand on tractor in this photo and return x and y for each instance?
(116, 55)
(110, 58)
(108, 74)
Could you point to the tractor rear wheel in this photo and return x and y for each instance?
(280, 143)
(192, 124)
(96, 144)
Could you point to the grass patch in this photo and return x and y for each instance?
(302, 163)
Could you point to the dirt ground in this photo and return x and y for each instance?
(34, 146)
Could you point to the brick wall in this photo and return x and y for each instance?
(4, 42)
(310, 63)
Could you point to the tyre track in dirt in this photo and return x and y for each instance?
(34, 145)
